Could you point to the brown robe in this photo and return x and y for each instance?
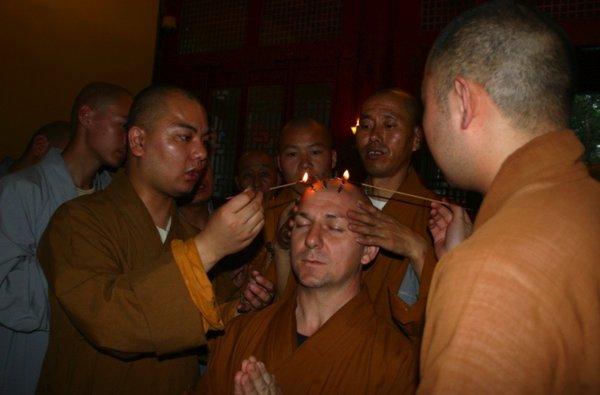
(384, 276)
(353, 352)
(122, 318)
(515, 309)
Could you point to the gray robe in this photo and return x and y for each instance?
(28, 198)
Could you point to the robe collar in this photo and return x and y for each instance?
(133, 208)
(54, 166)
(542, 158)
(333, 333)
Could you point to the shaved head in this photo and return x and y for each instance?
(151, 103)
(337, 189)
(296, 125)
(409, 104)
(97, 95)
(519, 55)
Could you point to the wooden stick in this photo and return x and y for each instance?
(405, 194)
(283, 186)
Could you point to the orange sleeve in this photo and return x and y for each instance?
(197, 282)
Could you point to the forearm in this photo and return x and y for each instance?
(23, 294)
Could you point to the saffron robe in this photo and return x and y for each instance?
(28, 198)
(354, 352)
(515, 309)
(123, 320)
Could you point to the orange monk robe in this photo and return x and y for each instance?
(515, 309)
(354, 352)
(123, 319)
(384, 276)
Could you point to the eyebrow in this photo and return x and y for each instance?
(186, 126)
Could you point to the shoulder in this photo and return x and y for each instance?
(87, 210)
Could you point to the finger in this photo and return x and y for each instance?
(361, 229)
(254, 219)
(266, 376)
(253, 299)
(246, 212)
(372, 241)
(237, 383)
(257, 228)
(263, 294)
(445, 213)
(239, 201)
(369, 208)
(262, 281)
(358, 216)
(256, 378)
(248, 385)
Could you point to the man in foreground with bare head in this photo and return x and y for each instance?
(514, 308)
(28, 198)
(324, 337)
(131, 301)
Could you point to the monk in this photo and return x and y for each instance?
(28, 199)
(398, 281)
(52, 135)
(325, 337)
(304, 146)
(513, 309)
(256, 169)
(131, 301)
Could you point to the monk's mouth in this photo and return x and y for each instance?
(313, 262)
(374, 153)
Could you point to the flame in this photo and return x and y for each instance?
(305, 177)
(346, 175)
(353, 128)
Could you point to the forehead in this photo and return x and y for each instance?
(385, 103)
(180, 108)
(327, 201)
(303, 136)
(255, 160)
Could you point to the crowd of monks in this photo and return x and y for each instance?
(140, 280)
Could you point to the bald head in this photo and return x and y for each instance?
(304, 125)
(519, 55)
(408, 105)
(337, 190)
(97, 95)
(152, 103)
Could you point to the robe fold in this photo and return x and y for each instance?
(123, 320)
(515, 308)
(354, 352)
(28, 198)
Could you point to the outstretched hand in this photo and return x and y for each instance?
(449, 226)
(376, 228)
(253, 379)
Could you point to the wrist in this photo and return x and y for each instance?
(207, 250)
(417, 252)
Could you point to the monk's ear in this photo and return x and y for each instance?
(136, 137)
(40, 145)
(369, 253)
(464, 93)
(417, 137)
(84, 115)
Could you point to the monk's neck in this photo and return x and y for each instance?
(158, 204)
(82, 164)
(196, 214)
(392, 182)
(315, 306)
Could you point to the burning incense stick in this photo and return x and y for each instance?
(303, 180)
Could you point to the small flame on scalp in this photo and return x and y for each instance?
(355, 127)
(346, 175)
(305, 177)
